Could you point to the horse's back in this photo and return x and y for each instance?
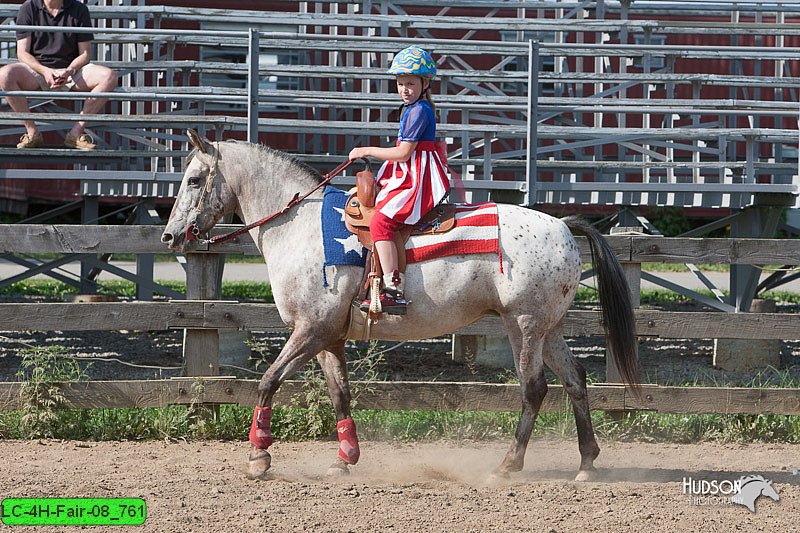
(540, 255)
(535, 273)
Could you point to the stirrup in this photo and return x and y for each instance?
(393, 304)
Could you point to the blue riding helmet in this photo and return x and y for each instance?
(415, 61)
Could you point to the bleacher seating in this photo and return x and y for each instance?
(610, 112)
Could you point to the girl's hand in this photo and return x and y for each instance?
(358, 153)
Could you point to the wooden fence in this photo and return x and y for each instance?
(203, 317)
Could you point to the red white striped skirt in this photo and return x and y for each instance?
(410, 189)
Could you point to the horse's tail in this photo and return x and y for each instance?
(615, 303)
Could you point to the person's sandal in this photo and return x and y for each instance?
(84, 142)
(30, 141)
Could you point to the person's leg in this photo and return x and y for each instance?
(19, 77)
(382, 229)
(96, 79)
(387, 252)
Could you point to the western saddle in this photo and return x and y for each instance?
(359, 210)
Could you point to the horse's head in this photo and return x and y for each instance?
(768, 490)
(203, 197)
(752, 487)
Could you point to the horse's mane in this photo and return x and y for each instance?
(271, 152)
(289, 158)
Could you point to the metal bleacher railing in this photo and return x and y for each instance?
(578, 159)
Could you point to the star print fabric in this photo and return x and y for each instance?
(340, 246)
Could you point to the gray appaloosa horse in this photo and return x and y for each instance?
(532, 295)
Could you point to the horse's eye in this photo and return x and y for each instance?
(194, 180)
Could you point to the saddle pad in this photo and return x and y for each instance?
(476, 232)
(340, 246)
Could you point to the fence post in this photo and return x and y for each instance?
(144, 262)
(203, 282)
(90, 211)
(252, 87)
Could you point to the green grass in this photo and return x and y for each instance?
(252, 290)
(657, 296)
(680, 267)
(233, 424)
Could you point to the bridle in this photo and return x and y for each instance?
(193, 232)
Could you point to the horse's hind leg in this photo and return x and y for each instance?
(563, 363)
(526, 343)
(333, 364)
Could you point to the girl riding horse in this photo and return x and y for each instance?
(414, 177)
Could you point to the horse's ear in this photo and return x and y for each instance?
(196, 141)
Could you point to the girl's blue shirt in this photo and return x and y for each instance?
(417, 123)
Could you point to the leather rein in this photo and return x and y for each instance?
(192, 232)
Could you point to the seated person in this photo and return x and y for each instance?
(55, 61)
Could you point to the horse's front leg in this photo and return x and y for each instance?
(302, 345)
(333, 364)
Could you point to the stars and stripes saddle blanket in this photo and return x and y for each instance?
(476, 231)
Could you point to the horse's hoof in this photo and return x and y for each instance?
(498, 478)
(586, 475)
(259, 464)
(337, 471)
(338, 468)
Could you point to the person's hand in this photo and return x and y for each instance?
(60, 77)
(358, 153)
(54, 78)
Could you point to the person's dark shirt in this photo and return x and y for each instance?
(54, 49)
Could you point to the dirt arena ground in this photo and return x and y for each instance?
(426, 487)
(437, 487)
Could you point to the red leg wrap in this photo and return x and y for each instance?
(348, 441)
(260, 433)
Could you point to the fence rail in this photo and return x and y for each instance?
(75, 238)
(412, 395)
(213, 315)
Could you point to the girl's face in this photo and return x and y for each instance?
(410, 87)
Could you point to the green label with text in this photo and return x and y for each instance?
(73, 511)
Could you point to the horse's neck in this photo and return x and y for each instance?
(265, 183)
(263, 188)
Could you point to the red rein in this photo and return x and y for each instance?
(192, 232)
